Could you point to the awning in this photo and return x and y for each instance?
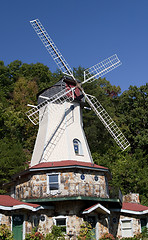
(8, 203)
(97, 208)
(132, 208)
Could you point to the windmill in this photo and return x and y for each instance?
(37, 114)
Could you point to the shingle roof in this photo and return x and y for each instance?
(7, 201)
(61, 164)
(96, 207)
(134, 207)
(67, 163)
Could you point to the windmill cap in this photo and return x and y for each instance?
(57, 87)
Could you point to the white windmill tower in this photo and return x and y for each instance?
(60, 135)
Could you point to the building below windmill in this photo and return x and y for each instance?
(63, 186)
(67, 193)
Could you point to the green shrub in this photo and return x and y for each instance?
(34, 235)
(57, 232)
(107, 236)
(5, 233)
(145, 233)
(86, 232)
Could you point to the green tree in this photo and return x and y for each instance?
(129, 169)
(132, 110)
(12, 160)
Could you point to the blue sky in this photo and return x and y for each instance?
(86, 32)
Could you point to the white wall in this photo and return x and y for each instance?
(58, 127)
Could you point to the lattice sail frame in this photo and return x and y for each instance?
(51, 47)
(100, 69)
(107, 121)
(35, 115)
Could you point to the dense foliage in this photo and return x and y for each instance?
(56, 233)
(34, 235)
(86, 232)
(19, 85)
(5, 233)
(107, 236)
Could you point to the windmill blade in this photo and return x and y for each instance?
(107, 121)
(101, 69)
(51, 47)
(35, 114)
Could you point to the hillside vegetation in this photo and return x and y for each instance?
(19, 85)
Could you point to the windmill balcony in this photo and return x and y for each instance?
(65, 190)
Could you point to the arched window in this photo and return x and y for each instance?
(77, 147)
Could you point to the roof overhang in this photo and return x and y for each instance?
(97, 208)
(71, 198)
(68, 167)
(130, 211)
(22, 206)
(8, 203)
(59, 166)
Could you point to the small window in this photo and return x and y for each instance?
(53, 182)
(127, 230)
(60, 222)
(77, 147)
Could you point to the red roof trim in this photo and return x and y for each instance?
(61, 164)
(8, 201)
(134, 207)
(90, 207)
(95, 207)
(67, 163)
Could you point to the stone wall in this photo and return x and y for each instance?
(115, 224)
(103, 225)
(71, 184)
(131, 197)
(71, 210)
(4, 219)
(68, 209)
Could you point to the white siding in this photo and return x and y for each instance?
(59, 126)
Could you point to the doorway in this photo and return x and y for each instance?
(17, 226)
(93, 221)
